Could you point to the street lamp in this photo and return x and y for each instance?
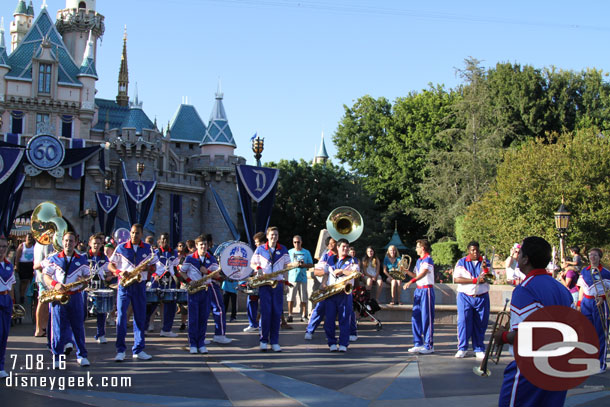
(562, 220)
(258, 147)
(140, 169)
(108, 182)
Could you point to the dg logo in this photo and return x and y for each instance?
(556, 348)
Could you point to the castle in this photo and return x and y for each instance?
(47, 86)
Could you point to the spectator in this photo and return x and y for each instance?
(514, 276)
(372, 269)
(390, 263)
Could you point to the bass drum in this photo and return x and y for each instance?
(234, 259)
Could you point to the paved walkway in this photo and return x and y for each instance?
(376, 371)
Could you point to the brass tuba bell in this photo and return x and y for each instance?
(345, 223)
(48, 226)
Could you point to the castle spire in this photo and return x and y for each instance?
(322, 155)
(87, 68)
(3, 54)
(123, 95)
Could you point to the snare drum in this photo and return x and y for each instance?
(168, 295)
(152, 296)
(182, 296)
(234, 259)
(103, 300)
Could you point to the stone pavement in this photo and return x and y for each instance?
(376, 371)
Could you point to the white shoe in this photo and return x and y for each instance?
(119, 357)
(461, 353)
(426, 351)
(415, 349)
(308, 336)
(333, 348)
(193, 349)
(203, 349)
(276, 348)
(353, 338)
(3, 374)
(250, 329)
(169, 334)
(480, 355)
(207, 342)
(142, 356)
(83, 362)
(102, 339)
(342, 348)
(264, 346)
(222, 339)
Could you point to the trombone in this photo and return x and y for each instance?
(494, 349)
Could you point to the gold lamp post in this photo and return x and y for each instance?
(140, 169)
(562, 220)
(258, 145)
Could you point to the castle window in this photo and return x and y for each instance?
(42, 123)
(44, 78)
(190, 146)
(66, 126)
(16, 122)
(82, 4)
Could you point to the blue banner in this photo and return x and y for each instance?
(175, 216)
(78, 170)
(14, 200)
(258, 182)
(138, 194)
(107, 208)
(245, 202)
(11, 183)
(225, 214)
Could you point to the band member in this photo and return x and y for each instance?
(422, 317)
(353, 321)
(335, 267)
(98, 263)
(164, 278)
(318, 312)
(269, 258)
(194, 268)
(7, 299)
(591, 291)
(538, 290)
(252, 302)
(217, 301)
(472, 301)
(298, 277)
(61, 269)
(43, 322)
(125, 259)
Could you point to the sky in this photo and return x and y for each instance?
(288, 67)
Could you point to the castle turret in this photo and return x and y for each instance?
(4, 66)
(75, 22)
(218, 139)
(20, 24)
(322, 156)
(122, 97)
(88, 76)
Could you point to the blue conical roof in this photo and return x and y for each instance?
(3, 54)
(186, 125)
(30, 11)
(395, 241)
(21, 8)
(87, 68)
(322, 152)
(218, 131)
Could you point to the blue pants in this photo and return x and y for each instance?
(422, 318)
(473, 316)
(218, 309)
(353, 322)
(101, 325)
(518, 391)
(198, 313)
(317, 315)
(589, 310)
(272, 306)
(6, 311)
(337, 305)
(67, 323)
(252, 310)
(136, 295)
(169, 310)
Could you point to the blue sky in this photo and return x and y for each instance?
(287, 67)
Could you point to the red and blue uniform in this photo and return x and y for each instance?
(98, 262)
(268, 260)
(198, 303)
(538, 290)
(318, 312)
(66, 270)
(592, 287)
(126, 257)
(422, 318)
(168, 259)
(7, 279)
(216, 299)
(472, 304)
(337, 305)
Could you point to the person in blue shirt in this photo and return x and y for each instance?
(538, 290)
(390, 262)
(7, 299)
(230, 295)
(298, 277)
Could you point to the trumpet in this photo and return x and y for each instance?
(135, 276)
(201, 284)
(404, 264)
(48, 296)
(341, 286)
(489, 276)
(494, 349)
(266, 279)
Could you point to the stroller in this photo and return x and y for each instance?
(365, 306)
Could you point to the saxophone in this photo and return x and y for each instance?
(134, 275)
(202, 284)
(266, 279)
(341, 286)
(48, 296)
(404, 264)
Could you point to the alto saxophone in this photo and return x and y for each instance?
(266, 279)
(202, 284)
(134, 276)
(63, 297)
(341, 286)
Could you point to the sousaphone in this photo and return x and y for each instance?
(48, 226)
(345, 222)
